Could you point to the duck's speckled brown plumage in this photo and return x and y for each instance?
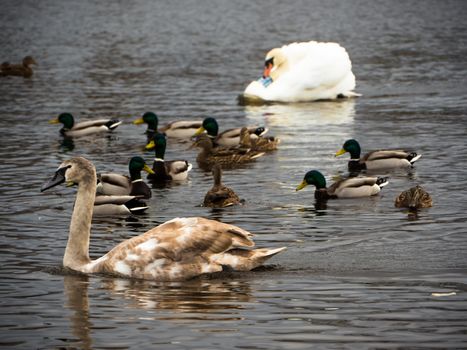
(258, 143)
(227, 158)
(414, 198)
(219, 196)
(23, 70)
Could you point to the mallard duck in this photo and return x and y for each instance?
(179, 249)
(227, 158)
(305, 71)
(173, 170)
(114, 205)
(72, 129)
(259, 144)
(414, 198)
(182, 129)
(219, 196)
(116, 184)
(382, 159)
(352, 187)
(22, 70)
(230, 137)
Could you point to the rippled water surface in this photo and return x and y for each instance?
(357, 273)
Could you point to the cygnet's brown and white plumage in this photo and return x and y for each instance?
(179, 249)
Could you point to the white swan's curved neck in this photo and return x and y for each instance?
(77, 248)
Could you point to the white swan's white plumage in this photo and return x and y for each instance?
(306, 71)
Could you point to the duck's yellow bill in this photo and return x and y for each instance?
(151, 145)
(340, 152)
(138, 121)
(54, 121)
(199, 131)
(147, 169)
(302, 185)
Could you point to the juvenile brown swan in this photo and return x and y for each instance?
(178, 249)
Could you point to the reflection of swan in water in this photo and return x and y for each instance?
(76, 299)
(197, 296)
(216, 299)
(304, 114)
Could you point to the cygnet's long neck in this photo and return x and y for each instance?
(77, 248)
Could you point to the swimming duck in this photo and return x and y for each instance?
(230, 137)
(305, 71)
(113, 205)
(173, 170)
(116, 184)
(352, 187)
(219, 196)
(179, 249)
(414, 198)
(72, 129)
(382, 159)
(227, 158)
(259, 144)
(183, 129)
(22, 70)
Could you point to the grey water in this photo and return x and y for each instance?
(358, 274)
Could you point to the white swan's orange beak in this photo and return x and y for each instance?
(267, 70)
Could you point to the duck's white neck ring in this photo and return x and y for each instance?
(158, 159)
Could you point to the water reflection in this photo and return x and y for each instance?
(215, 297)
(304, 114)
(76, 299)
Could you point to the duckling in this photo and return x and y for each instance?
(219, 196)
(230, 137)
(176, 250)
(72, 129)
(414, 198)
(22, 70)
(227, 158)
(116, 184)
(182, 129)
(382, 159)
(352, 187)
(260, 143)
(174, 170)
(115, 205)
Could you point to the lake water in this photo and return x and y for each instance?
(357, 274)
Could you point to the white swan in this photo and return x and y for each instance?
(179, 249)
(305, 71)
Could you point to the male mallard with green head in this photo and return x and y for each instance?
(381, 159)
(352, 187)
(182, 129)
(116, 184)
(230, 137)
(172, 170)
(72, 129)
